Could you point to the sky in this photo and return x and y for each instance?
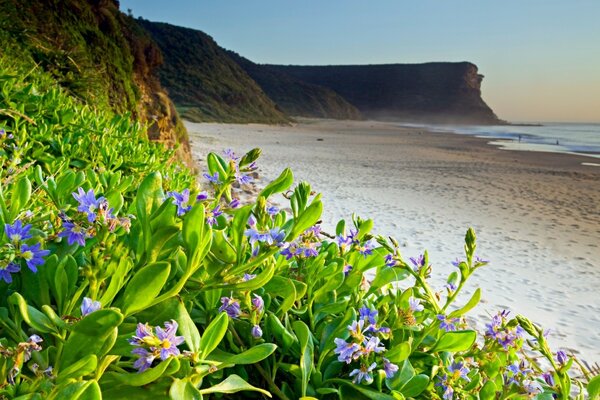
(540, 58)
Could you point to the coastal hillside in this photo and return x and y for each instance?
(204, 83)
(295, 96)
(99, 55)
(430, 92)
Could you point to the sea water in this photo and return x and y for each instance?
(572, 138)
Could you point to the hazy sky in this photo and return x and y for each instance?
(540, 58)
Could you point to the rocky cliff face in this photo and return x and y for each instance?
(296, 97)
(430, 92)
(99, 55)
(204, 82)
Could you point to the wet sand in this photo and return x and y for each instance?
(536, 215)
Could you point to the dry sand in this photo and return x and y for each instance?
(536, 215)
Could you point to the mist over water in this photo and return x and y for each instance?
(583, 139)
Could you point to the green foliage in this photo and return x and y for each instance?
(121, 279)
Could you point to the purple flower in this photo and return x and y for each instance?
(548, 378)
(367, 314)
(242, 179)
(230, 154)
(363, 374)
(418, 262)
(446, 388)
(168, 340)
(446, 323)
(88, 306)
(235, 203)
(74, 233)
(389, 368)
(459, 370)
(272, 211)
(356, 329)
(532, 387)
(347, 269)
(561, 356)
(212, 178)
(256, 332)
(346, 351)
(390, 260)
(33, 255)
(277, 235)
(480, 261)
(5, 273)
(202, 196)
(143, 333)
(254, 236)
(258, 303)
(349, 240)
(366, 249)
(372, 344)
(456, 263)
(88, 203)
(181, 200)
(211, 216)
(17, 232)
(231, 307)
(415, 304)
(145, 359)
(248, 277)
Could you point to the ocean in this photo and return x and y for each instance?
(572, 138)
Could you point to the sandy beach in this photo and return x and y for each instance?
(536, 215)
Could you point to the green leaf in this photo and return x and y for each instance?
(89, 335)
(415, 386)
(195, 239)
(281, 183)
(184, 389)
(20, 196)
(398, 353)
(145, 285)
(305, 220)
(306, 352)
(187, 327)
(251, 356)
(149, 196)
(593, 387)
(488, 391)
(33, 317)
(82, 367)
(233, 384)
(258, 281)
(213, 334)
(369, 393)
(467, 307)
(164, 368)
(455, 341)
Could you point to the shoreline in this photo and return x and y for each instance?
(536, 215)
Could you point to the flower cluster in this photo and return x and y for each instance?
(507, 334)
(152, 344)
(365, 346)
(255, 311)
(97, 214)
(19, 248)
(351, 242)
(457, 373)
(307, 245)
(268, 236)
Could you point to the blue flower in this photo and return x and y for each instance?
(17, 232)
(33, 255)
(235, 203)
(231, 307)
(74, 233)
(145, 359)
(363, 374)
(213, 178)
(389, 368)
(532, 387)
(242, 179)
(258, 303)
(459, 370)
(390, 260)
(211, 216)
(446, 323)
(456, 263)
(418, 262)
(346, 351)
(446, 388)
(168, 340)
(368, 315)
(5, 273)
(181, 200)
(254, 236)
(248, 277)
(202, 196)
(88, 203)
(277, 234)
(230, 154)
(415, 304)
(256, 332)
(366, 249)
(88, 306)
(347, 268)
(561, 357)
(372, 344)
(272, 211)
